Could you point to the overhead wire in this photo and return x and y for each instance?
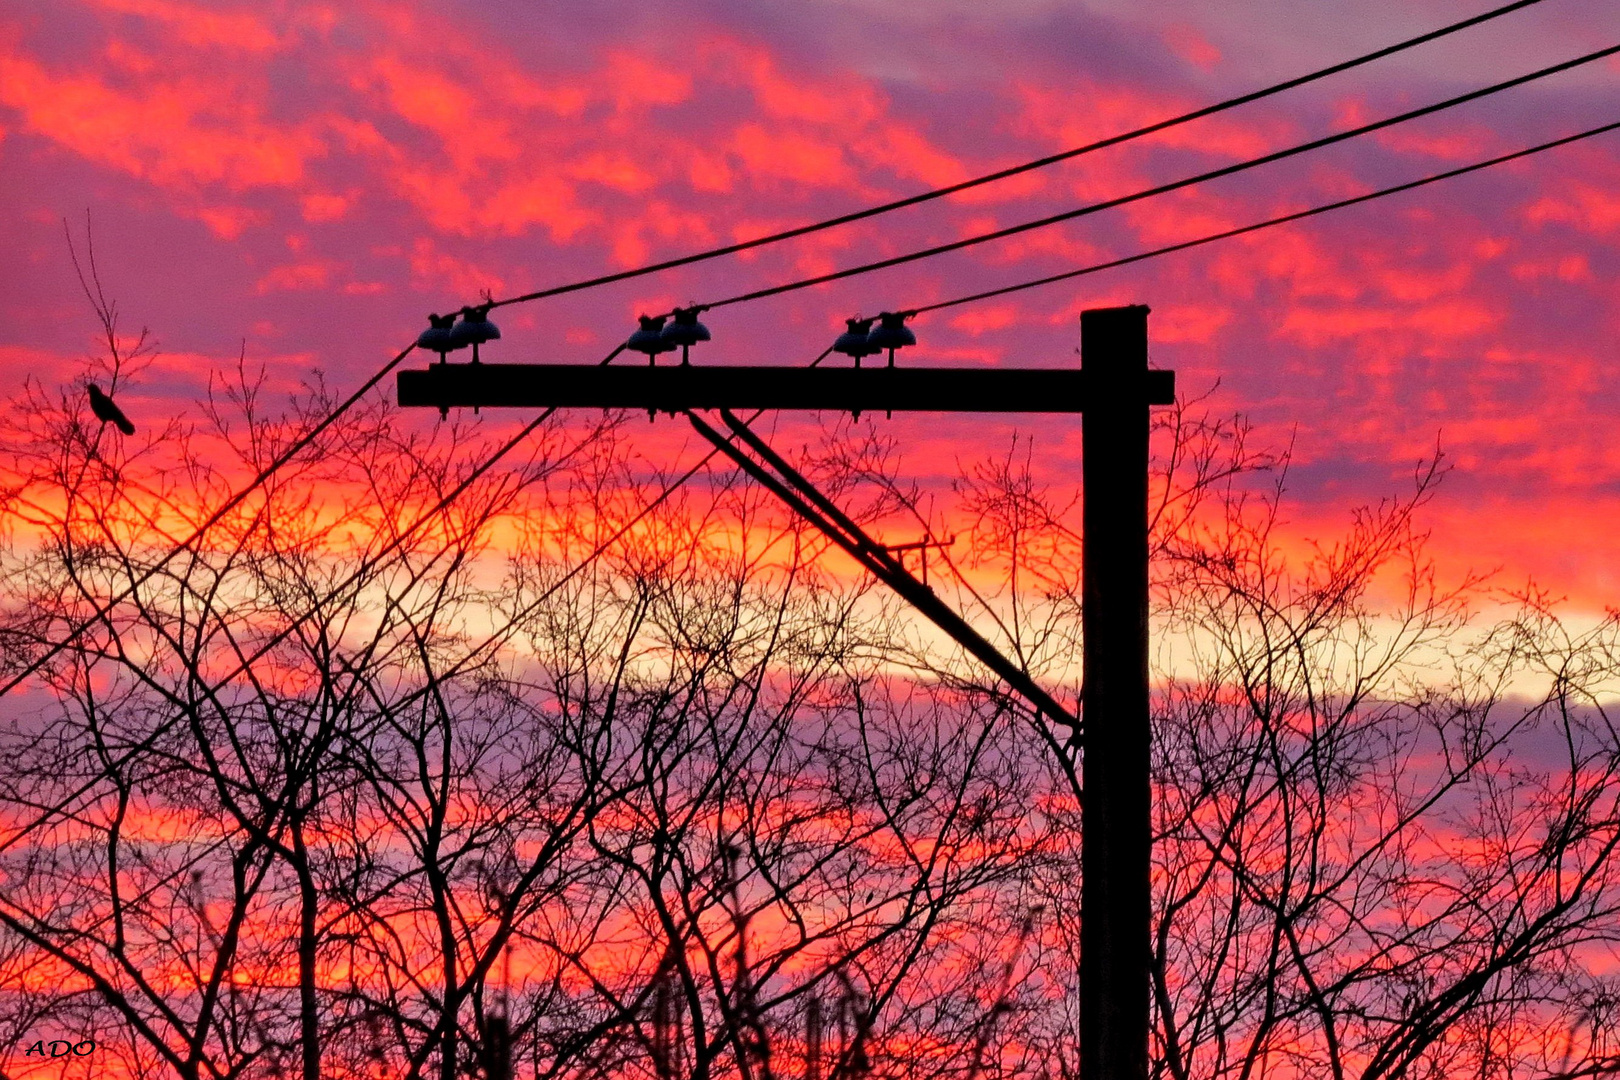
(310, 436)
(834, 524)
(303, 442)
(1023, 167)
(1160, 189)
(804, 499)
(1168, 249)
(1298, 215)
(297, 447)
(495, 639)
(367, 566)
(876, 560)
(874, 557)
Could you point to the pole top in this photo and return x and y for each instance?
(1110, 314)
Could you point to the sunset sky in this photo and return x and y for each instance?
(307, 181)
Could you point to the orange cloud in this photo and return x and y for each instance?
(1191, 46)
(201, 25)
(179, 132)
(1583, 205)
(435, 269)
(296, 276)
(774, 153)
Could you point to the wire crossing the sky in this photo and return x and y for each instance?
(498, 637)
(236, 500)
(1298, 215)
(1015, 170)
(504, 633)
(308, 438)
(298, 446)
(1162, 189)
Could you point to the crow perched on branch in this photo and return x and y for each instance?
(107, 412)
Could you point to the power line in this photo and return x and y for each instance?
(1268, 223)
(303, 442)
(859, 549)
(1340, 204)
(299, 445)
(669, 489)
(309, 437)
(1015, 170)
(213, 519)
(235, 500)
(1161, 189)
(502, 634)
(246, 664)
(494, 639)
(505, 632)
(810, 504)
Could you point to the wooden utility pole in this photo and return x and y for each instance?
(1114, 844)
(1113, 389)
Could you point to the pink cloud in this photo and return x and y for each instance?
(1187, 43)
(773, 153)
(433, 268)
(634, 82)
(412, 152)
(201, 25)
(977, 321)
(176, 132)
(303, 275)
(1582, 205)
(228, 222)
(1321, 325)
(1072, 117)
(840, 101)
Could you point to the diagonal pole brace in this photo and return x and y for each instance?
(809, 503)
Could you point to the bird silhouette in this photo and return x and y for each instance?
(107, 412)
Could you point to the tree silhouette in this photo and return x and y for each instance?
(413, 767)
